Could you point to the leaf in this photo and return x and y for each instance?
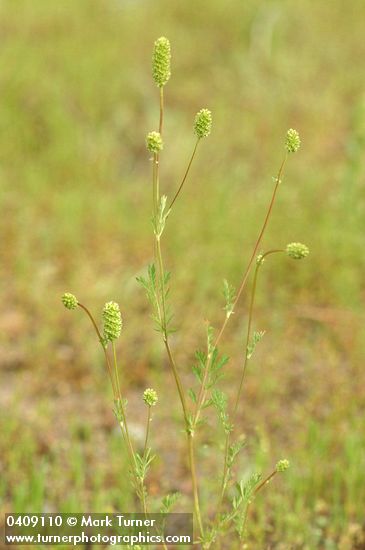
(256, 338)
(246, 488)
(143, 463)
(198, 368)
(229, 294)
(169, 501)
(233, 451)
(217, 364)
(155, 292)
(192, 395)
(219, 400)
(159, 221)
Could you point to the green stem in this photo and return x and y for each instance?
(249, 325)
(100, 338)
(124, 427)
(258, 488)
(257, 244)
(202, 392)
(118, 399)
(147, 430)
(122, 410)
(161, 111)
(194, 480)
(185, 175)
(248, 337)
(177, 380)
(163, 320)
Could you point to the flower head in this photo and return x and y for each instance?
(292, 142)
(161, 61)
(297, 251)
(150, 397)
(154, 142)
(282, 465)
(203, 123)
(69, 301)
(112, 321)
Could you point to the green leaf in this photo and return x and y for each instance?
(229, 294)
(159, 221)
(169, 501)
(256, 338)
(143, 463)
(219, 400)
(192, 395)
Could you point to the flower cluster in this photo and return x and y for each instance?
(203, 123)
(297, 251)
(150, 397)
(69, 301)
(154, 142)
(292, 142)
(112, 320)
(161, 60)
(282, 465)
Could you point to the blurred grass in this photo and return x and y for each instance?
(76, 102)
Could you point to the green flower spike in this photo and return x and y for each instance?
(297, 251)
(292, 142)
(69, 301)
(150, 397)
(154, 142)
(282, 465)
(203, 123)
(112, 321)
(161, 61)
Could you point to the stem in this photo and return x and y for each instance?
(202, 392)
(248, 336)
(249, 325)
(258, 488)
(194, 482)
(154, 181)
(177, 380)
(118, 398)
(147, 430)
(185, 175)
(161, 274)
(88, 313)
(161, 111)
(124, 427)
(265, 481)
(124, 419)
(257, 244)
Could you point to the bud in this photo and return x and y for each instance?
(150, 397)
(297, 251)
(161, 61)
(69, 301)
(112, 321)
(203, 123)
(154, 142)
(292, 142)
(282, 465)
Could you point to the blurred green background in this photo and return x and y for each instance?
(77, 99)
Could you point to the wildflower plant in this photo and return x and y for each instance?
(234, 496)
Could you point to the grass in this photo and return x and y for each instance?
(76, 105)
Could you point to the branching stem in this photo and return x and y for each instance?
(203, 390)
(163, 320)
(225, 477)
